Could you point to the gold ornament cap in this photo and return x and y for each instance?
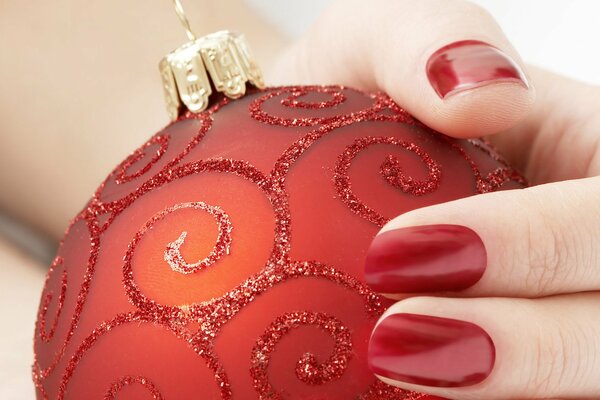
(221, 61)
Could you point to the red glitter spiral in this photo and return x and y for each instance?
(308, 369)
(116, 387)
(46, 336)
(136, 156)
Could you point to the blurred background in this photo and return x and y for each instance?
(556, 35)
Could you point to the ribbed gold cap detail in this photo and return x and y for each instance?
(221, 61)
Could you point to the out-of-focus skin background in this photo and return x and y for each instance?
(80, 90)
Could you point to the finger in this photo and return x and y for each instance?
(491, 348)
(533, 242)
(446, 61)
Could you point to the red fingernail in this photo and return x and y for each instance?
(469, 64)
(429, 258)
(431, 351)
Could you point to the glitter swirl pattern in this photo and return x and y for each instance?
(116, 387)
(173, 255)
(308, 368)
(123, 175)
(390, 170)
(44, 335)
(118, 245)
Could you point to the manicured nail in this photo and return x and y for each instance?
(431, 351)
(429, 258)
(469, 64)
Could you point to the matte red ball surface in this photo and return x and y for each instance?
(224, 258)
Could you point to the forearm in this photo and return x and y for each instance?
(81, 90)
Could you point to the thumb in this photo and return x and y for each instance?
(447, 62)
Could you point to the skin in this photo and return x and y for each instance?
(81, 90)
(539, 297)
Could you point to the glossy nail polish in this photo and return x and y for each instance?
(429, 258)
(431, 351)
(469, 64)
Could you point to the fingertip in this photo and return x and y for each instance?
(425, 259)
(417, 347)
(465, 88)
(471, 88)
(489, 109)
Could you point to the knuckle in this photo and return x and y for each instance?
(550, 358)
(560, 242)
(542, 364)
(544, 260)
(583, 351)
(556, 247)
(565, 357)
(547, 250)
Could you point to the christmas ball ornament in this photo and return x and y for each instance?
(223, 258)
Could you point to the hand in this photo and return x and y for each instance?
(500, 292)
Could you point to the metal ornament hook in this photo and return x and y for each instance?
(221, 62)
(183, 19)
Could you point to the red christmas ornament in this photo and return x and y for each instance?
(223, 259)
